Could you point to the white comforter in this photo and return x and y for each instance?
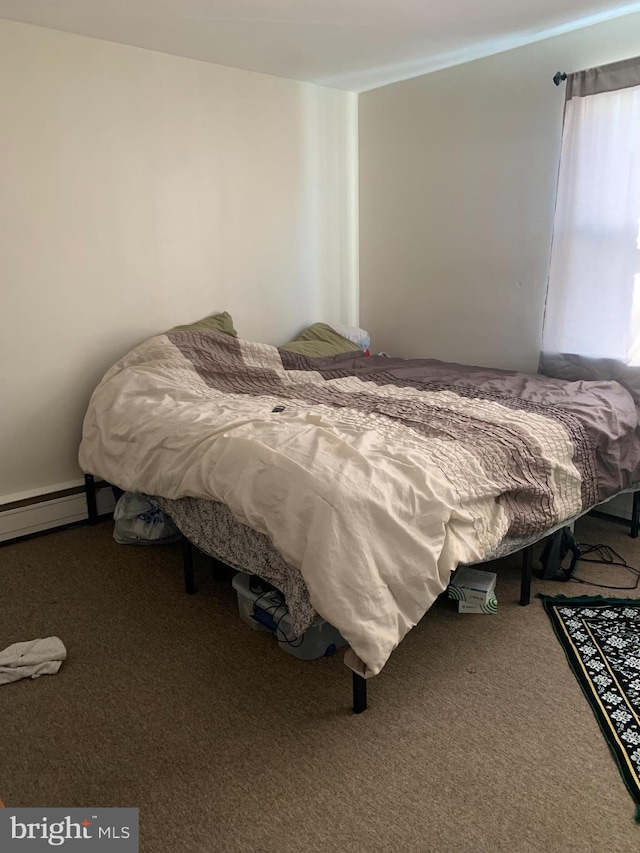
(373, 505)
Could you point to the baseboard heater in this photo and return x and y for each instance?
(22, 518)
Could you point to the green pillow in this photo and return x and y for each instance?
(215, 323)
(320, 341)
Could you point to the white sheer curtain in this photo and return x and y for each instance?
(593, 299)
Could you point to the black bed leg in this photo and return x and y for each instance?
(218, 570)
(92, 503)
(525, 583)
(359, 694)
(635, 515)
(187, 564)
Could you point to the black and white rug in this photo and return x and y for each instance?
(601, 639)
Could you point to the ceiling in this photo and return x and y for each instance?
(348, 44)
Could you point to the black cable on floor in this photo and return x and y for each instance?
(606, 556)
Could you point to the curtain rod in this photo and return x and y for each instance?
(558, 77)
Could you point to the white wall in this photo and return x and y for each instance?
(139, 190)
(458, 174)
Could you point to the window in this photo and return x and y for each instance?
(593, 298)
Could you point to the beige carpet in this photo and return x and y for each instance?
(477, 737)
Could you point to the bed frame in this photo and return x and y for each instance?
(359, 684)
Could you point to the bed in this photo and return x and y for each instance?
(371, 478)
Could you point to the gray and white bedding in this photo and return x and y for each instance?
(372, 477)
(212, 527)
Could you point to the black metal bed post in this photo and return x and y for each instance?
(635, 515)
(359, 693)
(218, 569)
(525, 581)
(187, 564)
(92, 502)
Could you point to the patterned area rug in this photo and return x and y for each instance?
(601, 639)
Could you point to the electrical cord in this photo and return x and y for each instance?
(285, 639)
(270, 592)
(606, 556)
(281, 636)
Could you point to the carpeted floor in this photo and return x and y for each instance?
(477, 737)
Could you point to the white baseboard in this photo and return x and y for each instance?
(47, 515)
(40, 491)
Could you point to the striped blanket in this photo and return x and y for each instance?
(374, 477)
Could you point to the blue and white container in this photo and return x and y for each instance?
(267, 612)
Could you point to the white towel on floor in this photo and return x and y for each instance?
(31, 659)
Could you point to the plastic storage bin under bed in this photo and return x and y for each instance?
(267, 612)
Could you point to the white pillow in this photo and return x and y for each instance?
(353, 333)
